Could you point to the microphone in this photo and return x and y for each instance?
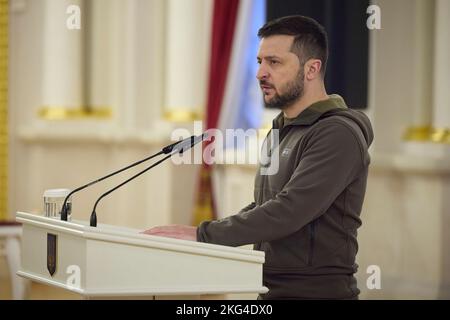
(167, 149)
(179, 148)
(188, 143)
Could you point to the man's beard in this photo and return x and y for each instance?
(293, 91)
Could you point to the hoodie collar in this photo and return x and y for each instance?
(313, 112)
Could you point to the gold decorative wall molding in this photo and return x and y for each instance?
(3, 109)
(419, 133)
(64, 113)
(182, 115)
(427, 134)
(441, 136)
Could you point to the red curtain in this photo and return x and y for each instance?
(223, 26)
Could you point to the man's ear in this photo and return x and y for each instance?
(312, 69)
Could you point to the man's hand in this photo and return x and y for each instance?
(174, 231)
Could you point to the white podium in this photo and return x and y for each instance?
(115, 262)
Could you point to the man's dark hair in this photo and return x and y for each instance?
(310, 40)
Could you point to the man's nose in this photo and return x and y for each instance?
(262, 73)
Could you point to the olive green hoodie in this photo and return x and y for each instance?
(305, 217)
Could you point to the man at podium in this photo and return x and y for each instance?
(305, 217)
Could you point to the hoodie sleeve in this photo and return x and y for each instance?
(331, 158)
(248, 207)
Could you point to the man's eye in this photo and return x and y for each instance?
(274, 62)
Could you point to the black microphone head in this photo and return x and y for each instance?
(169, 148)
(188, 143)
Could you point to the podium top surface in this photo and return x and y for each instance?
(110, 233)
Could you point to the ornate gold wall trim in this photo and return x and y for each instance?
(441, 136)
(420, 133)
(4, 110)
(63, 113)
(427, 134)
(182, 115)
